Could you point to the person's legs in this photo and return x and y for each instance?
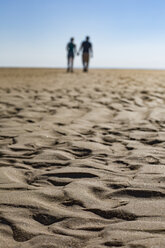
(85, 69)
(85, 61)
(68, 69)
(71, 64)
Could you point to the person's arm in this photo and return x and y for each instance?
(81, 47)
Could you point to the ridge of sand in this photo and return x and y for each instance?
(82, 159)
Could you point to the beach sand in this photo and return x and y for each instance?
(82, 159)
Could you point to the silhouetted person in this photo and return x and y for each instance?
(71, 50)
(87, 52)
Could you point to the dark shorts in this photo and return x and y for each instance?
(70, 55)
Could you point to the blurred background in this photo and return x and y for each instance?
(124, 33)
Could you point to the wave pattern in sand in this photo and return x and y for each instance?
(82, 159)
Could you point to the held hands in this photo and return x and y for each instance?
(91, 55)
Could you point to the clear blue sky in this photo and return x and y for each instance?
(124, 33)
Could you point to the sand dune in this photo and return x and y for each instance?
(82, 159)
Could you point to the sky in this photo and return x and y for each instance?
(124, 33)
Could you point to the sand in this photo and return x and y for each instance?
(82, 159)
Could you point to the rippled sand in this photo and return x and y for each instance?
(82, 159)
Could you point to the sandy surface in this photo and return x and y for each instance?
(82, 159)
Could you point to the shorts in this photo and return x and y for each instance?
(85, 57)
(70, 55)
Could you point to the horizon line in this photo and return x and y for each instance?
(79, 68)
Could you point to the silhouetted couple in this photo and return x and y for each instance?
(85, 48)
